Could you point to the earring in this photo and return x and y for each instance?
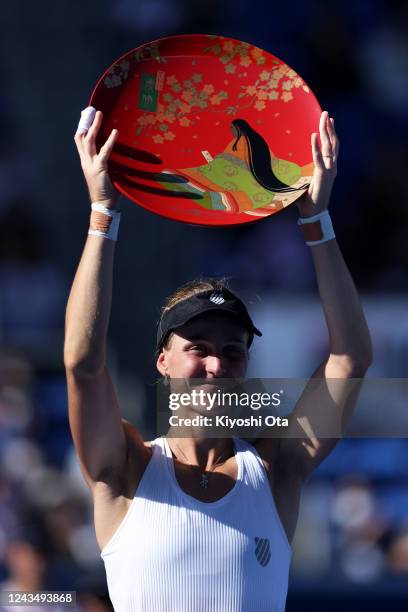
(166, 380)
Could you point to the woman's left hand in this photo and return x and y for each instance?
(325, 153)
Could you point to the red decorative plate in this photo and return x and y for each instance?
(212, 130)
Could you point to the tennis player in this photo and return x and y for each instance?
(198, 524)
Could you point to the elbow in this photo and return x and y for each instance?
(82, 357)
(82, 369)
(352, 365)
(83, 365)
(355, 358)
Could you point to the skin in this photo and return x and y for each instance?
(210, 347)
(111, 451)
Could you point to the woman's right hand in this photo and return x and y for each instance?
(95, 165)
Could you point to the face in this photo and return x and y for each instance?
(210, 346)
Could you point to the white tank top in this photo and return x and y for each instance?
(174, 553)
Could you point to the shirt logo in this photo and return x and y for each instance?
(262, 551)
(217, 298)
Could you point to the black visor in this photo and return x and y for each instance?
(185, 310)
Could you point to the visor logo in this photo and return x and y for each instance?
(217, 298)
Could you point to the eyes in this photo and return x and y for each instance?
(229, 351)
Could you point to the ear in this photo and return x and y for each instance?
(161, 363)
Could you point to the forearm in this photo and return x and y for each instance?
(88, 308)
(89, 303)
(348, 330)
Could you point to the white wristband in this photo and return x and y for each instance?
(109, 227)
(326, 227)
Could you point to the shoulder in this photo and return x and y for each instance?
(268, 450)
(138, 455)
(134, 438)
(121, 485)
(279, 471)
(285, 485)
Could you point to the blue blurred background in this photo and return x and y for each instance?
(351, 546)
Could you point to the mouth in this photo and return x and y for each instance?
(212, 386)
(209, 386)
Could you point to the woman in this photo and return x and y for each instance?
(194, 523)
(259, 157)
(244, 178)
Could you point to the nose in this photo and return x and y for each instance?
(215, 366)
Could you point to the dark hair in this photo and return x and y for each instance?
(260, 158)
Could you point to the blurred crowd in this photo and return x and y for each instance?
(47, 539)
(354, 55)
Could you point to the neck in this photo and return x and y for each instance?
(204, 452)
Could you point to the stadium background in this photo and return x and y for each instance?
(351, 547)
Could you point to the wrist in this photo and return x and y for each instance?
(110, 203)
(104, 221)
(317, 228)
(307, 214)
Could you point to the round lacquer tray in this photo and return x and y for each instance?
(212, 131)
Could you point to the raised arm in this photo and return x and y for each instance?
(94, 414)
(330, 396)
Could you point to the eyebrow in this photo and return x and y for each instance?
(195, 338)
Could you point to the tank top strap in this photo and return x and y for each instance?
(161, 452)
(158, 445)
(164, 458)
(252, 463)
(154, 472)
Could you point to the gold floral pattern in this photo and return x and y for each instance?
(117, 74)
(150, 52)
(181, 100)
(274, 84)
(230, 50)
